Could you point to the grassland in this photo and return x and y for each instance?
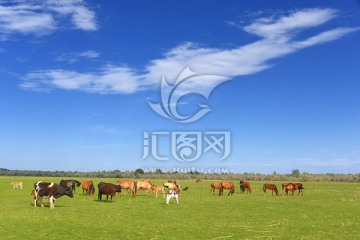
(325, 211)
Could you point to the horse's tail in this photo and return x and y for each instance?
(232, 189)
(264, 188)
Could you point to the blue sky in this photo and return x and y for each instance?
(76, 79)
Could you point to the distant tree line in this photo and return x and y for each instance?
(295, 175)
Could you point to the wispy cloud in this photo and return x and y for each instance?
(76, 56)
(43, 17)
(108, 80)
(278, 37)
(103, 129)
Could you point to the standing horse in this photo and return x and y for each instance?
(245, 186)
(227, 185)
(156, 189)
(143, 184)
(88, 187)
(271, 187)
(215, 185)
(128, 185)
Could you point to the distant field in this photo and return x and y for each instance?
(325, 211)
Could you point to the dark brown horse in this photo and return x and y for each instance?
(271, 187)
(88, 187)
(227, 185)
(215, 185)
(245, 186)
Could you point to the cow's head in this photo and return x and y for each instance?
(118, 188)
(68, 192)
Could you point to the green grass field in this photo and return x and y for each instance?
(325, 211)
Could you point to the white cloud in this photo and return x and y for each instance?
(73, 57)
(43, 17)
(278, 37)
(110, 79)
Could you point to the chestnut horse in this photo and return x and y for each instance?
(215, 185)
(143, 184)
(271, 187)
(156, 189)
(128, 185)
(227, 185)
(299, 187)
(245, 186)
(292, 187)
(88, 187)
(286, 187)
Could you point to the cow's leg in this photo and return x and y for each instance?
(35, 197)
(41, 201)
(51, 199)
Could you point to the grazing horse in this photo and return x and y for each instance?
(271, 187)
(128, 185)
(70, 183)
(215, 185)
(88, 187)
(296, 186)
(156, 189)
(227, 185)
(143, 184)
(245, 186)
(17, 185)
(286, 187)
(172, 185)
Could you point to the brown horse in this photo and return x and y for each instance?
(271, 187)
(156, 189)
(215, 185)
(299, 187)
(143, 184)
(88, 187)
(227, 185)
(128, 185)
(283, 188)
(245, 186)
(292, 187)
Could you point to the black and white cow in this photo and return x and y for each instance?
(51, 190)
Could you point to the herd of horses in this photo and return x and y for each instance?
(245, 187)
(132, 187)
